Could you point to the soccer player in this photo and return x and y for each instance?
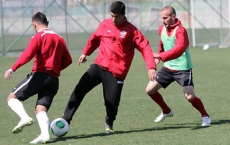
(116, 39)
(50, 55)
(174, 53)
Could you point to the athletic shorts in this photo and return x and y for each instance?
(43, 84)
(183, 77)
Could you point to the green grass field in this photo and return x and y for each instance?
(135, 120)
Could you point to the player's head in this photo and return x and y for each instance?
(117, 12)
(168, 16)
(39, 21)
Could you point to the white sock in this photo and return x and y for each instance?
(43, 122)
(18, 108)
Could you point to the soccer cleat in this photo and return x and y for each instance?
(206, 121)
(108, 129)
(25, 122)
(162, 116)
(41, 140)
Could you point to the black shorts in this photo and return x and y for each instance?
(43, 84)
(183, 77)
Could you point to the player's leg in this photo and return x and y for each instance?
(43, 122)
(44, 101)
(88, 81)
(18, 108)
(22, 92)
(112, 88)
(163, 79)
(185, 79)
(197, 103)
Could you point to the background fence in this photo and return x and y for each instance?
(207, 21)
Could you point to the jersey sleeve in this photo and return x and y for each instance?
(27, 54)
(93, 42)
(145, 49)
(66, 59)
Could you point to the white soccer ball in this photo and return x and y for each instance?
(59, 127)
(206, 47)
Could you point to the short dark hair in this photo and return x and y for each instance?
(40, 17)
(117, 7)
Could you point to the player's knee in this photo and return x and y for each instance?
(11, 95)
(189, 97)
(40, 108)
(152, 87)
(148, 89)
(151, 90)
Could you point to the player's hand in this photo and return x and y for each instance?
(8, 74)
(82, 59)
(157, 61)
(156, 55)
(152, 74)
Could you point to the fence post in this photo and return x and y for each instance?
(2, 28)
(66, 23)
(193, 25)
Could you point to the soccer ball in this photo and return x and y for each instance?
(59, 127)
(206, 47)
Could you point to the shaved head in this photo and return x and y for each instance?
(169, 9)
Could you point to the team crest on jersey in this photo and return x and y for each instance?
(123, 34)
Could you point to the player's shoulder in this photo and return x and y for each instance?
(40, 33)
(180, 25)
(130, 25)
(44, 34)
(181, 28)
(106, 21)
(47, 32)
(36, 36)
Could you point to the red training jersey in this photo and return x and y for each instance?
(181, 43)
(117, 44)
(49, 51)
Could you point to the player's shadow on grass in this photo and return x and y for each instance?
(219, 122)
(192, 126)
(214, 122)
(82, 136)
(197, 126)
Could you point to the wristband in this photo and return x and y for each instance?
(11, 71)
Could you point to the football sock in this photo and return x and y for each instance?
(18, 108)
(43, 122)
(160, 101)
(197, 103)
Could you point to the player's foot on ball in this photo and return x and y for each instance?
(41, 139)
(25, 122)
(162, 116)
(108, 129)
(206, 121)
